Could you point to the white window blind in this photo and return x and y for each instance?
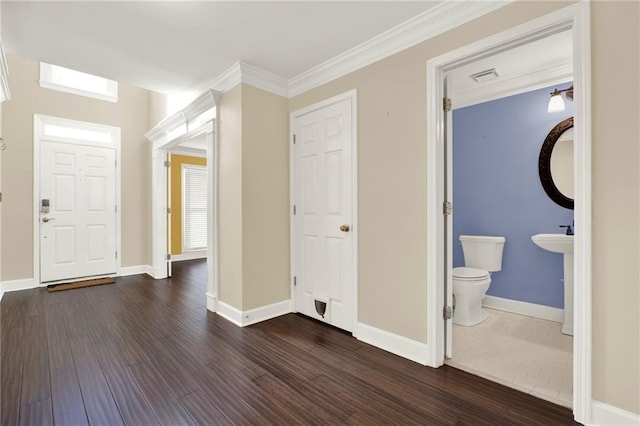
(194, 208)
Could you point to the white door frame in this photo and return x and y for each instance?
(353, 95)
(159, 172)
(39, 135)
(577, 18)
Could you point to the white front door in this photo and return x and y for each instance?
(78, 233)
(323, 196)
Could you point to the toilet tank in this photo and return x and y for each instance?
(482, 252)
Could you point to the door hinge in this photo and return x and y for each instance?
(294, 139)
(168, 256)
(294, 209)
(168, 210)
(116, 163)
(446, 104)
(167, 163)
(295, 281)
(447, 208)
(116, 254)
(115, 208)
(446, 312)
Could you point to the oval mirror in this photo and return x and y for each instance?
(555, 164)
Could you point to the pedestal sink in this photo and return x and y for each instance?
(560, 243)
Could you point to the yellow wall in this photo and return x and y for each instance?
(130, 113)
(176, 197)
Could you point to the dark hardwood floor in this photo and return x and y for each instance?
(142, 352)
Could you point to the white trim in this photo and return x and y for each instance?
(513, 86)
(212, 303)
(577, 18)
(263, 313)
(437, 20)
(241, 72)
(46, 81)
(5, 93)
(17, 285)
(394, 343)
(607, 415)
(228, 312)
(353, 96)
(524, 308)
(189, 152)
(189, 255)
(39, 123)
(134, 270)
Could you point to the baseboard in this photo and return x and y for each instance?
(125, 271)
(394, 343)
(190, 255)
(157, 273)
(212, 303)
(229, 313)
(264, 313)
(524, 308)
(16, 285)
(607, 415)
(252, 316)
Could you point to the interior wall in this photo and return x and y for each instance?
(177, 161)
(615, 67)
(229, 116)
(130, 113)
(497, 191)
(392, 185)
(265, 197)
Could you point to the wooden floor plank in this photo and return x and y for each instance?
(202, 410)
(144, 351)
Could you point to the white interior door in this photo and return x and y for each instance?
(323, 191)
(78, 233)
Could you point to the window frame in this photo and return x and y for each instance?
(47, 81)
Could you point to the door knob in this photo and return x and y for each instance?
(345, 228)
(46, 219)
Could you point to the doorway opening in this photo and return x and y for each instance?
(189, 131)
(575, 21)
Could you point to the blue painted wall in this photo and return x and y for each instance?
(497, 191)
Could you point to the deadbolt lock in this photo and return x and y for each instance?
(345, 228)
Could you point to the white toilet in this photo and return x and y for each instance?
(482, 255)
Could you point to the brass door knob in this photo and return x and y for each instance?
(345, 228)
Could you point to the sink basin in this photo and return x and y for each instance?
(561, 243)
(557, 243)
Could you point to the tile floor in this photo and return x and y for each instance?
(521, 352)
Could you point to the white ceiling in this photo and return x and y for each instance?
(537, 64)
(180, 46)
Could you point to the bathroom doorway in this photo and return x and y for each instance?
(571, 22)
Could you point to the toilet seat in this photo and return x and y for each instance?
(469, 274)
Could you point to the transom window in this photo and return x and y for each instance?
(67, 80)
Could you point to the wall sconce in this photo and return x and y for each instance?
(556, 103)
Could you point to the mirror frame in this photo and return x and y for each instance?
(544, 164)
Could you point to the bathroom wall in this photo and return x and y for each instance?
(497, 191)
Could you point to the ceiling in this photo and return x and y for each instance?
(181, 46)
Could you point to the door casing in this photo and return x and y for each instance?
(39, 134)
(352, 94)
(577, 19)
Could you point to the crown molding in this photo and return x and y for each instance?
(241, 72)
(508, 87)
(437, 20)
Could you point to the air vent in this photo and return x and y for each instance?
(484, 76)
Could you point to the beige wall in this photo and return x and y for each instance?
(616, 208)
(229, 116)
(392, 178)
(253, 198)
(265, 197)
(130, 113)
